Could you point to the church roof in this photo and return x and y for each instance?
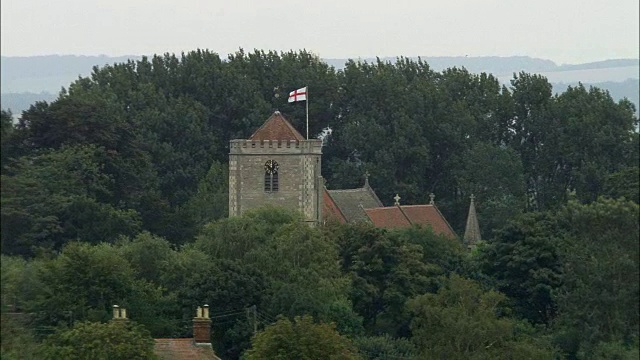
(179, 349)
(352, 202)
(403, 216)
(388, 217)
(276, 128)
(330, 210)
(428, 215)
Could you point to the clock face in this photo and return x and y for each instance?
(271, 167)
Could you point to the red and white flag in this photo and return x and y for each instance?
(298, 95)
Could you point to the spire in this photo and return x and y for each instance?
(472, 231)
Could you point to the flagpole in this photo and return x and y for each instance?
(307, 104)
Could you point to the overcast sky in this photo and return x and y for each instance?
(565, 31)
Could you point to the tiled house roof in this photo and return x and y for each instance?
(352, 202)
(276, 128)
(183, 349)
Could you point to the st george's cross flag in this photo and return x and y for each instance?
(298, 95)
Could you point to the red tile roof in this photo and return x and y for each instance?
(397, 217)
(276, 128)
(331, 211)
(388, 217)
(428, 215)
(183, 349)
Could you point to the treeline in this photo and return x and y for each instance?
(557, 284)
(144, 145)
(116, 192)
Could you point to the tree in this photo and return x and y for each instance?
(462, 321)
(494, 175)
(6, 131)
(300, 339)
(386, 270)
(598, 301)
(58, 195)
(267, 257)
(17, 340)
(534, 139)
(385, 347)
(624, 183)
(85, 281)
(523, 261)
(211, 200)
(103, 341)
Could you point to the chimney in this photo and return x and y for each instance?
(119, 314)
(202, 326)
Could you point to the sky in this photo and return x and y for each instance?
(565, 31)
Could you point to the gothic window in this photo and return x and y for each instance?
(271, 176)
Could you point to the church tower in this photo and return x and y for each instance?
(276, 166)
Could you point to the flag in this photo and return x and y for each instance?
(298, 95)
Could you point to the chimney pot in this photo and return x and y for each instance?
(116, 312)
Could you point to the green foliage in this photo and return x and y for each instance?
(300, 339)
(17, 341)
(298, 263)
(92, 340)
(575, 269)
(386, 269)
(624, 184)
(598, 300)
(494, 175)
(6, 132)
(20, 282)
(617, 350)
(523, 261)
(53, 197)
(211, 200)
(385, 347)
(462, 321)
(84, 280)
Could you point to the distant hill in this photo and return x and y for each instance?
(24, 80)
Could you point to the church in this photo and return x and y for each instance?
(278, 166)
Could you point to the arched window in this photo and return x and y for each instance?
(271, 176)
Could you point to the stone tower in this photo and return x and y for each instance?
(276, 166)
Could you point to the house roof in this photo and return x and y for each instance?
(183, 349)
(276, 128)
(388, 217)
(352, 202)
